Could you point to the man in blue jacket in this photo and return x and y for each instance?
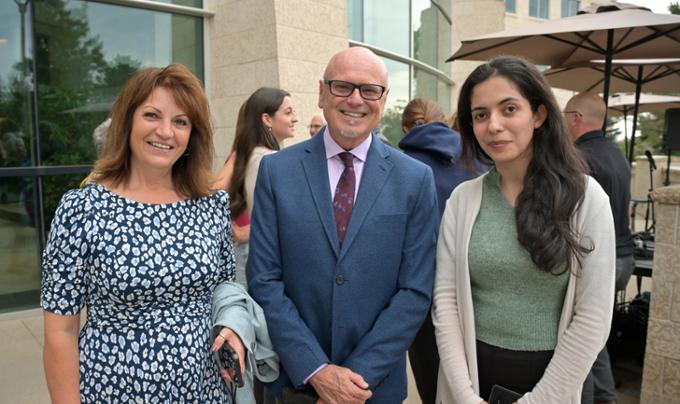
(343, 237)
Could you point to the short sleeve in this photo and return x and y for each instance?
(65, 258)
(227, 262)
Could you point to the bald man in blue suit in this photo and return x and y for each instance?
(343, 305)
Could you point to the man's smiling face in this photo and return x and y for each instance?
(351, 119)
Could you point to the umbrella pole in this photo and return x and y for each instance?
(625, 128)
(607, 73)
(638, 88)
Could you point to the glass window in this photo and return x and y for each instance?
(399, 83)
(431, 34)
(19, 235)
(85, 53)
(19, 244)
(427, 85)
(17, 140)
(570, 7)
(539, 8)
(386, 25)
(355, 19)
(510, 6)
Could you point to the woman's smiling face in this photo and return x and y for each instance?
(160, 132)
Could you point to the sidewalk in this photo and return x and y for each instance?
(22, 379)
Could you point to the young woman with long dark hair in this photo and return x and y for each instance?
(264, 121)
(526, 252)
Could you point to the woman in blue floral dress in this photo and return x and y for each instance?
(142, 247)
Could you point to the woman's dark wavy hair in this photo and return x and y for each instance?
(250, 133)
(554, 185)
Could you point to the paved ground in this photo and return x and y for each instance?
(22, 379)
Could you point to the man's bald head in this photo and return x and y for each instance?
(356, 58)
(585, 112)
(352, 95)
(591, 106)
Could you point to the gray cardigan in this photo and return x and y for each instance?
(234, 308)
(586, 312)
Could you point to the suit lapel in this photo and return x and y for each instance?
(376, 171)
(316, 172)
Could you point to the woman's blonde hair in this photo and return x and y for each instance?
(191, 173)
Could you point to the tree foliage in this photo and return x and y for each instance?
(75, 86)
(674, 7)
(391, 124)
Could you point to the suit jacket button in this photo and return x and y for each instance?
(339, 279)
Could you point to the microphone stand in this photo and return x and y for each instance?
(650, 203)
(667, 181)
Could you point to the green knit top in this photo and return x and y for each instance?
(517, 306)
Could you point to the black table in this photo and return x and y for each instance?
(643, 267)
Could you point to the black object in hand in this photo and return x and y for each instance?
(501, 395)
(227, 359)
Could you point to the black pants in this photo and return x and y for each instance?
(424, 359)
(515, 370)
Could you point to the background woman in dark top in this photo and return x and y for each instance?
(427, 138)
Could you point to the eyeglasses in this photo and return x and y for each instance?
(369, 92)
(570, 112)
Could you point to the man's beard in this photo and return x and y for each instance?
(350, 134)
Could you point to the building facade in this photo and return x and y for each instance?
(62, 62)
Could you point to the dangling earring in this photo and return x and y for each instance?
(269, 130)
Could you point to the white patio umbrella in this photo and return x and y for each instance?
(662, 75)
(622, 104)
(623, 34)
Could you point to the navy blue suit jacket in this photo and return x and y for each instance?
(358, 306)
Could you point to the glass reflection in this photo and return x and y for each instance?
(19, 238)
(431, 34)
(430, 86)
(355, 19)
(109, 43)
(425, 84)
(399, 83)
(84, 52)
(17, 143)
(539, 8)
(386, 25)
(570, 7)
(19, 246)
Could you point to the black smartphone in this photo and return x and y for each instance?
(501, 395)
(227, 359)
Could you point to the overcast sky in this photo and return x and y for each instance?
(658, 6)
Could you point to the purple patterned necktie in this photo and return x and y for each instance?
(343, 201)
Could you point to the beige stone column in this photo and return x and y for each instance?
(277, 43)
(661, 373)
(472, 18)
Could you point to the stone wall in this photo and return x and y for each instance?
(276, 43)
(661, 373)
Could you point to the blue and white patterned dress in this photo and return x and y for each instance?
(146, 273)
